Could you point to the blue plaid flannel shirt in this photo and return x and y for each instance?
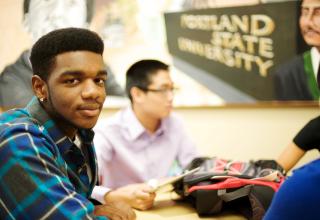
(36, 182)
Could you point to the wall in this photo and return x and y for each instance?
(13, 38)
(244, 133)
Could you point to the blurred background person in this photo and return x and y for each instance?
(143, 141)
(290, 201)
(41, 17)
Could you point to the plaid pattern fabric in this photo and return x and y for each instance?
(77, 163)
(36, 180)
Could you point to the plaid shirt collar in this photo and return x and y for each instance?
(47, 123)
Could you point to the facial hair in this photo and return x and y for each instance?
(61, 121)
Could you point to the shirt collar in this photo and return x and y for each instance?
(47, 124)
(136, 129)
(315, 59)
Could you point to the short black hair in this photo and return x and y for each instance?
(59, 41)
(139, 74)
(90, 8)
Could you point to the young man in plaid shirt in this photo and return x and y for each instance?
(47, 160)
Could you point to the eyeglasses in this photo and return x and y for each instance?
(163, 91)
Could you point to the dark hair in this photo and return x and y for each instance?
(139, 74)
(90, 7)
(59, 41)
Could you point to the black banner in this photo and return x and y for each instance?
(240, 45)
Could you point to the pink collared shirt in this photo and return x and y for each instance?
(127, 153)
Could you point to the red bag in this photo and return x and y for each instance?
(247, 187)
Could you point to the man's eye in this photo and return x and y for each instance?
(316, 12)
(304, 12)
(71, 81)
(100, 81)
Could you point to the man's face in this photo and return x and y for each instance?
(157, 101)
(75, 88)
(310, 22)
(47, 15)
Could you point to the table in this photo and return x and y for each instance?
(166, 208)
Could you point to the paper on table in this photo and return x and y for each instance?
(157, 186)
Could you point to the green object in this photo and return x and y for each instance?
(311, 79)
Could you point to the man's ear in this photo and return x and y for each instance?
(137, 94)
(39, 87)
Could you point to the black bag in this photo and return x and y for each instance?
(219, 184)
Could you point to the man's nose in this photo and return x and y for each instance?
(91, 90)
(170, 95)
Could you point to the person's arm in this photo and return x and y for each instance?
(290, 156)
(115, 210)
(308, 138)
(34, 175)
(139, 196)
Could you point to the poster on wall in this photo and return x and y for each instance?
(230, 52)
(234, 50)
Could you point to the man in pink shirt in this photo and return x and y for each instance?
(143, 141)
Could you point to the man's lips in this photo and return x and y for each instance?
(311, 32)
(90, 110)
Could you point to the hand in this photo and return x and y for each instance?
(139, 196)
(115, 211)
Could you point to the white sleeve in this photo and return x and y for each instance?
(99, 192)
(103, 150)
